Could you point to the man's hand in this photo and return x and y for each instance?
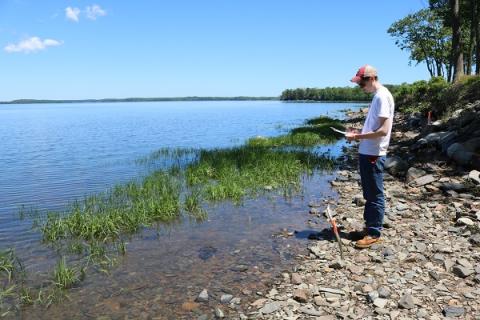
(352, 134)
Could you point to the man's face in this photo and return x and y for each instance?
(366, 84)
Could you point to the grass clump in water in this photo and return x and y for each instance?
(64, 277)
(123, 210)
(316, 131)
(233, 173)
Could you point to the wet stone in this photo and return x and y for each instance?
(207, 252)
(239, 268)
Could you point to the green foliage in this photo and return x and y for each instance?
(424, 35)
(436, 95)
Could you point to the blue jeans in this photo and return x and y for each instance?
(371, 173)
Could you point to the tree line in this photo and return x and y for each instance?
(445, 36)
(325, 94)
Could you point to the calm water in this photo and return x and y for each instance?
(52, 154)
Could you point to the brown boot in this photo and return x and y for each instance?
(367, 241)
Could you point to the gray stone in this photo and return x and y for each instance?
(310, 311)
(474, 176)
(459, 153)
(465, 263)
(384, 292)
(453, 311)
(372, 295)
(380, 303)
(225, 298)
(464, 221)
(461, 271)
(457, 187)
(271, 307)
(338, 264)
(475, 239)
(358, 200)
(296, 278)
(406, 302)
(414, 173)
(331, 290)
(219, 313)
(424, 180)
(203, 296)
(239, 268)
(395, 165)
(422, 313)
(402, 207)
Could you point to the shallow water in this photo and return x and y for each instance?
(239, 248)
(54, 154)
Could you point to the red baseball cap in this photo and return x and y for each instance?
(364, 71)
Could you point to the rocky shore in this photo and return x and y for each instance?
(428, 264)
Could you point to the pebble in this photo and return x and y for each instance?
(406, 302)
(203, 296)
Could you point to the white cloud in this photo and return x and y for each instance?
(72, 14)
(32, 44)
(95, 11)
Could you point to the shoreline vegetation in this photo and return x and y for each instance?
(90, 234)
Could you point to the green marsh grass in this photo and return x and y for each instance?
(232, 174)
(64, 277)
(315, 131)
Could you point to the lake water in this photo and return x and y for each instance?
(52, 154)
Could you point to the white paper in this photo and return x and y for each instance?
(336, 130)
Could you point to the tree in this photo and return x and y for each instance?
(476, 31)
(424, 35)
(457, 46)
(465, 25)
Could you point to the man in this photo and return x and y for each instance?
(374, 140)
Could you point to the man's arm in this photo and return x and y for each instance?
(382, 131)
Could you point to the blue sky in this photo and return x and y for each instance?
(114, 49)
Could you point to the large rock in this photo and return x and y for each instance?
(396, 165)
(459, 154)
(424, 180)
(463, 153)
(414, 173)
(474, 176)
(440, 139)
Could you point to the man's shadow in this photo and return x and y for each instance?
(328, 235)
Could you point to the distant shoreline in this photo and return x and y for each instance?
(240, 98)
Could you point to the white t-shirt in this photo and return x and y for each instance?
(382, 106)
